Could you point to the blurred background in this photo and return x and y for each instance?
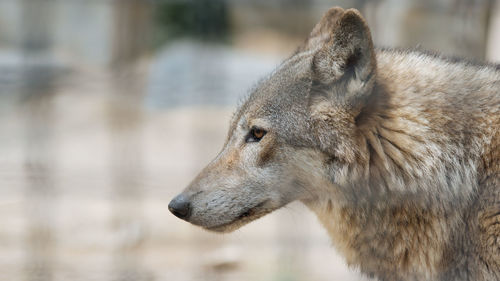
(108, 108)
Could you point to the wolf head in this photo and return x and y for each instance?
(295, 122)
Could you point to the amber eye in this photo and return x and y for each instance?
(255, 135)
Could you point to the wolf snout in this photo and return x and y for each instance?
(180, 206)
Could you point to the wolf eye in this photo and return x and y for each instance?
(255, 135)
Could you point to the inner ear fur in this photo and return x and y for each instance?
(348, 53)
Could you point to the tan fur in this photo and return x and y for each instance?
(388, 239)
(397, 152)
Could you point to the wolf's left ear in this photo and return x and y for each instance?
(348, 56)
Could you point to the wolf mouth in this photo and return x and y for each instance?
(245, 216)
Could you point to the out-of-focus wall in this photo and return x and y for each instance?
(451, 27)
(89, 32)
(493, 46)
(458, 27)
(102, 31)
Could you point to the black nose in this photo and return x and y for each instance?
(180, 207)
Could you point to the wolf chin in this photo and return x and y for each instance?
(396, 151)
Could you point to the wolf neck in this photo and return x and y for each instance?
(416, 174)
(379, 239)
(410, 144)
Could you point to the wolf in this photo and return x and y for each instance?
(396, 151)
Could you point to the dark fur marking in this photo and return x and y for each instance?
(267, 153)
(329, 206)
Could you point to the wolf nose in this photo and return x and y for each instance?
(180, 207)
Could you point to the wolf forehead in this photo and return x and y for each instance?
(279, 100)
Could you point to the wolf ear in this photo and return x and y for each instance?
(348, 55)
(343, 75)
(323, 30)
